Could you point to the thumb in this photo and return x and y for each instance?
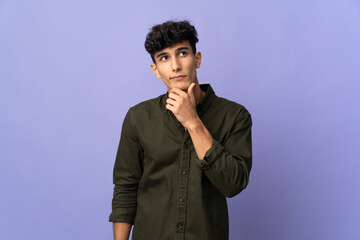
(190, 90)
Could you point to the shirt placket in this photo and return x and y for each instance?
(183, 187)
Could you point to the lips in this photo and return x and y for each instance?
(179, 77)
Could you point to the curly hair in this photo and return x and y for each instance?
(169, 33)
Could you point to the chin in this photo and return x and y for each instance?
(182, 86)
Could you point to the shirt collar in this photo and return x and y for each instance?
(205, 102)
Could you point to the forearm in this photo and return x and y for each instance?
(228, 170)
(121, 230)
(229, 173)
(201, 138)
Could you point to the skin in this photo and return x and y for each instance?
(176, 66)
(121, 230)
(184, 91)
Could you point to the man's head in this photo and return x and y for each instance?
(169, 33)
(172, 48)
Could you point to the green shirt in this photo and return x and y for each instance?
(163, 188)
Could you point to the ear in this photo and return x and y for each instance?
(155, 70)
(198, 59)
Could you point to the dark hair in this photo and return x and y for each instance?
(169, 33)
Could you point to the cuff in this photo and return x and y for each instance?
(118, 216)
(211, 155)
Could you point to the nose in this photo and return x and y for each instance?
(175, 64)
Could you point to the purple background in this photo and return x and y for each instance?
(70, 70)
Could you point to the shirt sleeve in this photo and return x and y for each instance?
(127, 174)
(228, 166)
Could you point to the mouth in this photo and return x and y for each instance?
(179, 77)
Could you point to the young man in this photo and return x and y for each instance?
(180, 154)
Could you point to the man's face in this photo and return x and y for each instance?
(176, 65)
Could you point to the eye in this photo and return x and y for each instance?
(182, 53)
(163, 58)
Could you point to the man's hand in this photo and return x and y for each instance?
(183, 105)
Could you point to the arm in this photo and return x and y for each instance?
(227, 166)
(127, 174)
(121, 230)
(200, 137)
(183, 105)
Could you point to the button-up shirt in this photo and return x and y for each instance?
(163, 188)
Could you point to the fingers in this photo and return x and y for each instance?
(174, 96)
(190, 90)
(177, 97)
(170, 107)
(175, 100)
(170, 101)
(178, 91)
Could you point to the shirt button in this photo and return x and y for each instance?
(183, 172)
(181, 199)
(180, 226)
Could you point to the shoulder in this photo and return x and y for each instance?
(147, 105)
(231, 112)
(224, 105)
(145, 111)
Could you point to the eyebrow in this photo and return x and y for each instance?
(161, 54)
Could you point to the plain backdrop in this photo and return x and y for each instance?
(70, 70)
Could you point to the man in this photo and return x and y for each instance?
(180, 154)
